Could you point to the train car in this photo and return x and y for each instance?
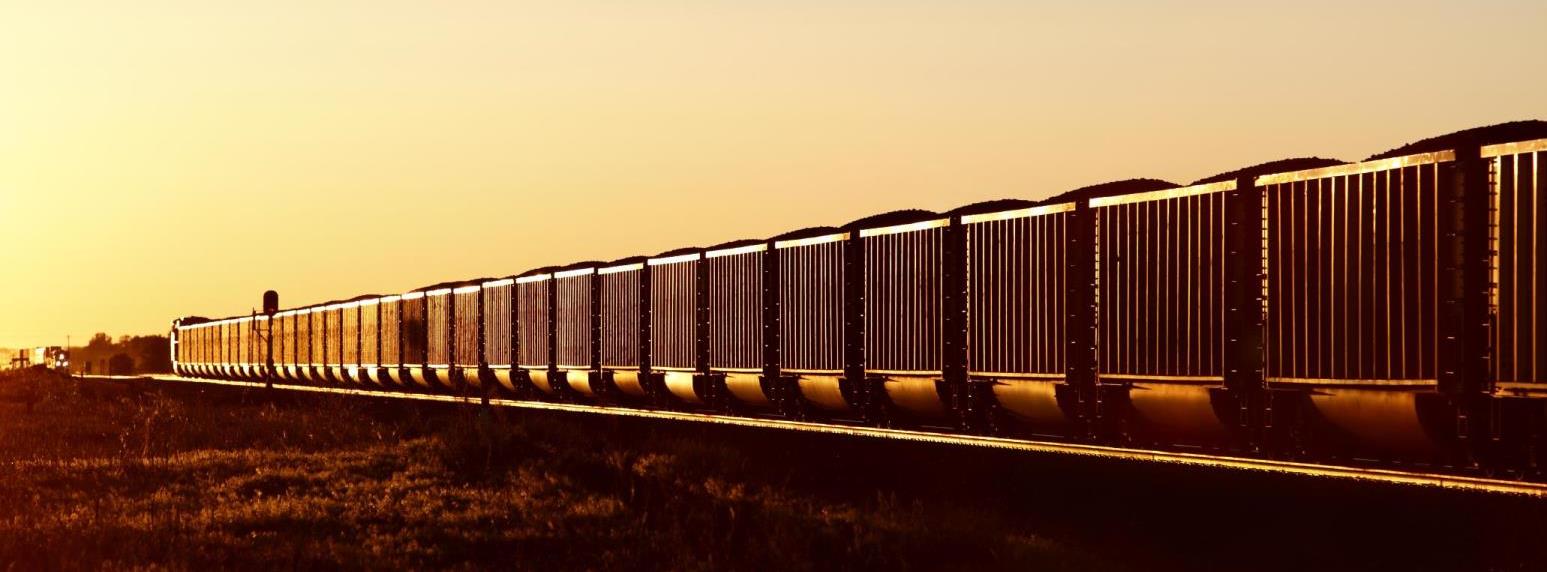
(1351, 264)
(466, 335)
(240, 345)
(285, 345)
(623, 318)
(414, 314)
(365, 370)
(353, 337)
(735, 274)
(333, 342)
(1160, 274)
(574, 331)
(439, 371)
(390, 371)
(902, 309)
(1017, 281)
(1517, 182)
(263, 333)
(188, 332)
(534, 330)
(675, 325)
(303, 346)
(499, 331)
(812, 309)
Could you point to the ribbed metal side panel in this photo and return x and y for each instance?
(573, 320)
(620, 294)
(333, 322)
(1351, 286)
(811, 306)
(1520, 332)
(283, 340)
(370, 340)
(242, 331)
(736, 311)
(351, 351)
(303, 339)
(532, 313)
(415, 332)
(1015, 284)
(438, 330)
(227, 343)
(903, 305)
(1161, 295)
(674, 315)
(465, 317)
(391, 333)
(319, 327)
(497, 325)
(260, 340)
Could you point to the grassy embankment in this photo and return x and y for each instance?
(95, 474)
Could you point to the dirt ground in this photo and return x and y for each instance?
(121, 475)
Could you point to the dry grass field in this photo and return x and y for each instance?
(95, 474)
(169, 476)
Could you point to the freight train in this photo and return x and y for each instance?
(1377, 312)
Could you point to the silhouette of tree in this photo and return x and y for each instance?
(120, 364)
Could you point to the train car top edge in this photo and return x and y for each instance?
(1501, 149)
(411, 296)
(621, 268)
(466, 289)
(1163, 194)
(1357, 168)
(826, 238)
(438, 292)
(574, 273)
(498, 283)
(674, 259)
(1019, 213)
(902, 228)
(750, 248)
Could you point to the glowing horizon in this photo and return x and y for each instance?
(171, 158)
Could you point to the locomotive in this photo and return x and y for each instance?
(1376, 312)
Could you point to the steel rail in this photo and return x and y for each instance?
(1374, 475)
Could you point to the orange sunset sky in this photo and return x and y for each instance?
(160, 159)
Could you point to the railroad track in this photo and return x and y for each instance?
(1310, 470)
